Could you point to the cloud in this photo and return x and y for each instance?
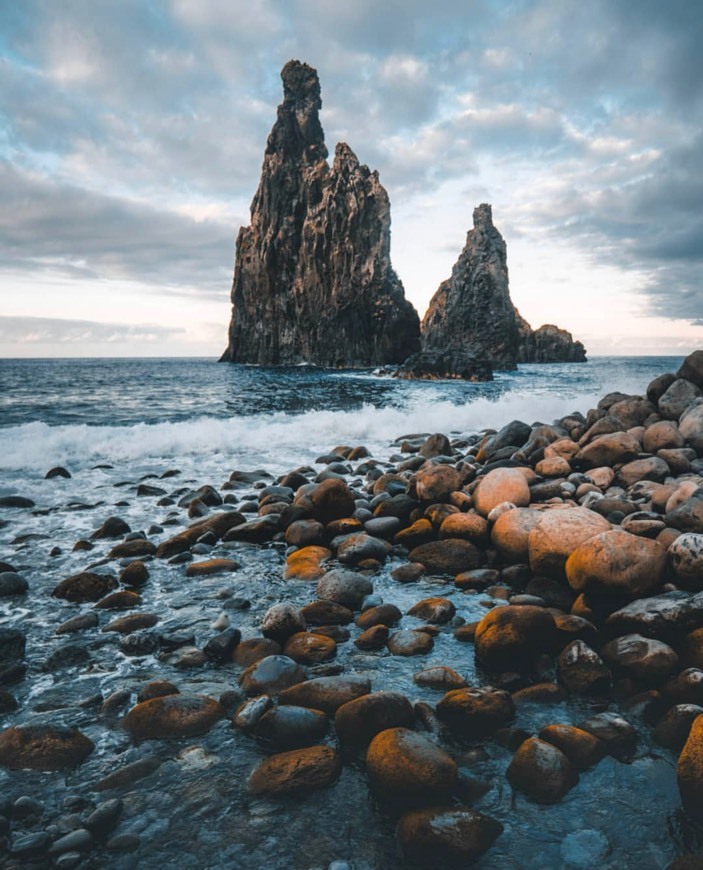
(49, 226)
(131, 134)
(48, 330)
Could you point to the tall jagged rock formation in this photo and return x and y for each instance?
(313, 280)
(473, 311)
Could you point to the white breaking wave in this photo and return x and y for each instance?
(273, 441)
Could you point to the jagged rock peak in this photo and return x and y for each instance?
(298, 132)
(313, 280)
(472, 308)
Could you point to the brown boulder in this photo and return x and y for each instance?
(358, 721)
(330, 500)
(617, 563)
(172, 717)
(541, 771)
(43, 747)
(509, 638)
(510, 532)
(581, 748)
(446, 836)
(295, 772)
(85, 586)
(663, 435)
(450, 556)
(642, 659)
(469, 526)
(609, 449)
(326, 693)
(307, 648)
(306, 563)
(689, 772)
(436, 483)
(582, 670)
(434, 610)
(406, 769)
(475, 713)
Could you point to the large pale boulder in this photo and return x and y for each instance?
(510, 533)
(559, 533)
(501, 485)
(617, 563)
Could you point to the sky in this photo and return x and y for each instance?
(132, 135)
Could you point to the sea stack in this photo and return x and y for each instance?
(313, 281)
(472, 309)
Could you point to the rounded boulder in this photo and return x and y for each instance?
(556, 537)
(501, 485)
(407, 770)
(617, 563)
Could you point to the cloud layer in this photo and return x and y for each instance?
(131, 134)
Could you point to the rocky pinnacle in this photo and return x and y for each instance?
(313, 280)
(472, 309)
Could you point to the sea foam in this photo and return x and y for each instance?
(273, 441)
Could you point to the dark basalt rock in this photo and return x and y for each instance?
(547, 344)
(438, 365)
(473, 309)
(313, 280)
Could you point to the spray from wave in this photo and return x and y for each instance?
(279, 438)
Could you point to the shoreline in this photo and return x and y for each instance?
(494, 564)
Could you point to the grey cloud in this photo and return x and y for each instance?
(45, 225)
(170, 103)
(49, 330)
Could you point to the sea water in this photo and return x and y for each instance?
(113, 423)
(83, 412)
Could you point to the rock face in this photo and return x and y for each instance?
(473, 310)
(443, 365)
(313, 280)
(547, 344)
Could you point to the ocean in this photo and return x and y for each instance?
(178, 424)
(80, 412)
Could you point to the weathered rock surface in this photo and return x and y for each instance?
(444, 365)
(295, 772)
(446, 836)
(43, 747)
(472, 309)
(313, 280)
(172, 716)
(406, 769)
(541, 771)
(548, 344)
